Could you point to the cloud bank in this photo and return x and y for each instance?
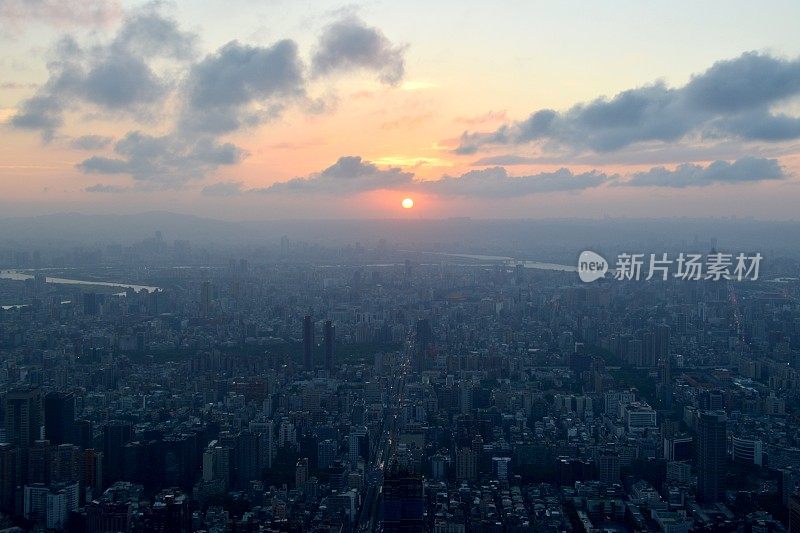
(733, 99)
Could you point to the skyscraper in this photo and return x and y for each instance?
(23, 412)
(308, 344)
(329, 340)
(711, 452)
(403, 501)
(423, 345)
(205, 299)
(115, 436)
(59, 417)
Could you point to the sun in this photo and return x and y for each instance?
(407, 203)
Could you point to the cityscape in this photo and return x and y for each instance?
(336, 266)
(365, 387)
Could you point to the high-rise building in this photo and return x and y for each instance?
(301, 474)
(59, 418)
(308, 343)
(23, 412)
(608, 467)
(90, 305)
(794, 513)
(115, 436)
(424, 345)
(329, 340)
(403, 501)
(205, 299)
(711, 455)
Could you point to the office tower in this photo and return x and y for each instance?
(205, 299)
(794, 513)
(90, 305)
(23, 413)
(711, 452)
(608, 467)
(40, 459)
(403, 501)
(247, 458)
(301, 474)
(649, 349)
(10, 475)
(59, 417)
(424, 345)
(308, 344)
(662, 342)
(326, 454)
(115, 436)
(83, 434)
(329, 340)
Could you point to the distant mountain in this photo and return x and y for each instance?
(523, 239)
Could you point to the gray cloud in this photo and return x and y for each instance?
(223, 188)
(743, 170)
(223, 88)
(495, 182)
(349, 175)
(116, 76)
(350, 44)
(90, 142)
(732, 99)
(101, 187)
(167, 160)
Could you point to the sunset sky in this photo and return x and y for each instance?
(288, 109)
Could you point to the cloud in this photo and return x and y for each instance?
(90, 142)
(743, 170)
(18, 14)
(166, 161)
(116, 76)
(101, 187)
(504, 160)
(349, 175)
(733, 99)
(223, 188)
(242, 85)
(350, 44)
(496, 183)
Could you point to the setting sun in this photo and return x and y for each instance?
(407, 203)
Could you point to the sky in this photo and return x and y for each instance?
(295, 110)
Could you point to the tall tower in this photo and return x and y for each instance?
(23, 408)
(308, 344)
(423, 345)
(59, 417)
(329, 339)
(205, 299)
(403, 501)
(711, 455)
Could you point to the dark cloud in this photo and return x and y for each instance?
(117, 76)
(166, 161)
(349, 175)
(495, 182)
(42, 113)
(90, 142)
(350, 44)
(242, 85)
(223, 188)
(101, 187)
(732, 99)
(743, 170)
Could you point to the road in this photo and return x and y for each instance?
(368, 516)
